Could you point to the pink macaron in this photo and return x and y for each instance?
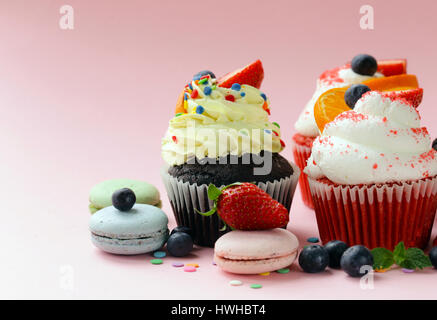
(253, 252)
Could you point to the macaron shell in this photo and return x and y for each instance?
(130, 246)
(101, 194)
(255, 266)
(256, 245)
(141, 221)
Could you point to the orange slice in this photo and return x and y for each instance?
(393, 83)
(329, 105)
(180, 104)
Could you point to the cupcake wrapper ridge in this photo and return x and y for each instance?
(301, 154)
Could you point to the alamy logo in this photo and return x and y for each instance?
(66, 277)
(367, 18)
(66, 22)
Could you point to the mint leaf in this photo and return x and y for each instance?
(399, 253)
(382, 258)
(407, 264)
(418, 257)
(213, 192)
(207, 214)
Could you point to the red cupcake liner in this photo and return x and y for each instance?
(301, 147)
(377, 215)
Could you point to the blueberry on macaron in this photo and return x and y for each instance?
(364, 64)
(434, 144)
(354, 93)
(179, 244)
(313, 259)
(123, 199)
(202, 73)
(335, 249)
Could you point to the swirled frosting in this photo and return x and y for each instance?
(218, 122)
(334, 78)
(379, 141)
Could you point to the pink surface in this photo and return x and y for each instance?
(80, 106)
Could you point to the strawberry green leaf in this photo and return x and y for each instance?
(224, 227)
(207, 214)
(213, 192)
(382, 258)
(418, 257)
(399, 253)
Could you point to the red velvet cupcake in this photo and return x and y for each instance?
(373, 175)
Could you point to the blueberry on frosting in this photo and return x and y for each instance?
(354, 93)
(364, 64)
(434, 144)
(202, 73)
(123, 199)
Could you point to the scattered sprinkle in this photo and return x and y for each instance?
(275, 133)
(194, 94)
(284, 270)
(178, 114)
(256, 286)
(202, 81)
(185, 96)
(175, 139)
(313, 239)
(267, 131)
(195, 265)
(190, 86)
(214, 87)
(235, 283)
(230, 97)
(159, 254)
(207, 90)
(189, 269)
(200, 109)
(276, 124)
(407, 270)
(156, 261)
(177, 264)
(265, 274)
(213, 263)
(264, 96)
(282, 143)
(242, 94)
(236, 87)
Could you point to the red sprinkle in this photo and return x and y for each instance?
(375, 166)
(194, 94)
(230, 97)
(282, 143)
(175, 139)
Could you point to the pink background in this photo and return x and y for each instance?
(80, 106)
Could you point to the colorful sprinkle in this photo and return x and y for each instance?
(243, 94)
(256, 286)
(185, 96)
(175, 139)
(283, 271)
(276, 124)
(207, 90)
(159, 254)
(214, 87)
(265, 274)
(282, 143)
(202, 81)
(200, 109)
(236, 87)
(264, 96)
(178, 114)
(267, 131)
(195, 265)
(156, 261)
(194, 94)
(275, 133)
(313, 239)
(177, 264)
(235, 283)
(213, 263)
(407, 270)
(189, 269)
(230, 97)
(190, 86)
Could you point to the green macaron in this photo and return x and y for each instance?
(101, 194)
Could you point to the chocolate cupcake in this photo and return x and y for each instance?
(220, 136)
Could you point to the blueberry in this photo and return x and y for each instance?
(183, 229)
(354, 93)
(364, 64)
(123, 199)
(434, 144)
(433, 256)
(202, 73)
(179, 244)
(335, 249)
(313, 259)
(354, 258)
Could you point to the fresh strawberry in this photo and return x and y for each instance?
(244, 206)
(392, 67)
(413, 96)
(252, 74)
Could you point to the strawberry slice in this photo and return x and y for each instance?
(392, 67)
(252, 74)
(244, 206)
(413, 96)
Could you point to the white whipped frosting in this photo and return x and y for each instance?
(345, 76)
(379, 141)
